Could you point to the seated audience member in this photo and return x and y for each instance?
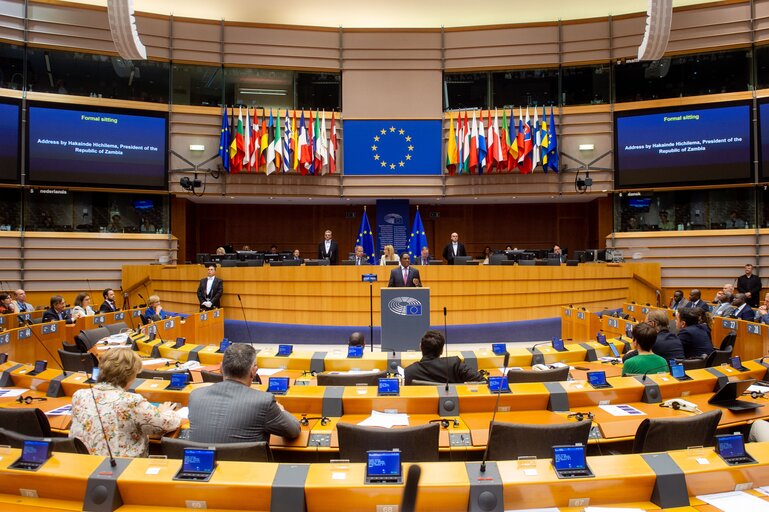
(117, 415)
(762, 313)
(109, 305)
(741, 308)
(57, 311)
(357, 339)
(667, 344)
(22, 306)
(665, 223)
(389, 255)
(232, 411)
(147, 226)
(724, 307)
(220, 251)
(559, 252)
(424, 257)
(734, 220)
(6, 304)
(154, 312)
(646, 361)
(82, 306)
(432, 367)
(694, 335)
(359, 258)
(116, 226)
(728, 288)
(695, 301)
(296, 255)
(487, 252)
(678, 300)
(273, 249)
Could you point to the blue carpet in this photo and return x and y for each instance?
(262, 332)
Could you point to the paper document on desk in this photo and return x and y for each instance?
(354, 372)
(11, 393)
(385, 420)
(612, 509)
(183, 413)
(266, 372)
(736, 501)
(622, 410)
(758, 388)
(609, 359)
(64, 410)
(160, 360)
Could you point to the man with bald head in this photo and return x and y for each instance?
(453, 249)
(695, 301)
(22, 306)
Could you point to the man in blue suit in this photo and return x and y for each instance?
(404, 274)
(742, 309)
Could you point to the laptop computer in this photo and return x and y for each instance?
(277, 385)
(223, 346)
(736, 363)
(384, 467)
(388, 387)
(197, 465)
(601, 338)
(569, 461)
(40, 367)
(285, 350)
(731, 448)
(499, 384)
(677, 371)
(558, 346)
(355, 351)
(3, 358)
(598, 380)
(94, 376)
(499, 349)
(33, 455)
(726, 397)
(178, 381)
(180, 342)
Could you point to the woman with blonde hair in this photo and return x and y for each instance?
(108, 413)
(389, 255)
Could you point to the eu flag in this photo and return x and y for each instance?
(224, 142)
(418, 239)
(366, 239)
(392, 147)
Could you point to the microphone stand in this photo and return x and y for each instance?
(494, 416)
(446, 346)
(248, 329)
(37, 338)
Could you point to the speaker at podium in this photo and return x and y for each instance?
(405, 317)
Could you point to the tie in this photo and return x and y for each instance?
(405, 276)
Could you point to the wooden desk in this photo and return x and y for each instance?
(204, 327)
(27, 343)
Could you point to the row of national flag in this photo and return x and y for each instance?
(475, 149)
(276, 144)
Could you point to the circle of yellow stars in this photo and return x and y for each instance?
(382, 134)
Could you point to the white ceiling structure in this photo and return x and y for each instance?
(391, 13)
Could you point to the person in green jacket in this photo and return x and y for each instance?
(644, 336)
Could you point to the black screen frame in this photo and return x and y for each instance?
(17, 104)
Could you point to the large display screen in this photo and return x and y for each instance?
(683, 146)
(763, 128)
(97, 147)
(9, 142)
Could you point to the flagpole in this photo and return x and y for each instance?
(370, 305)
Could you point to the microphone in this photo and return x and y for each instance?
(142, 297)
(409, 500)
(416, 282)
(643, 379)
(494, 416)
(37, 338)
(248, 330)
(446, 346)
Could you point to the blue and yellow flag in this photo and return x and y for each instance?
(366, 238)
(418, 238)
(392, 147)
(224, 141)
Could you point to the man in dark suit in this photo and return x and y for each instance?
(210, 290)
(57, 311)
(432, 367)
(678, 300)
(742, 309)
(328, 249)
(750, 284)
(404, 275)
(108, 306)
(232, 411)
(359, 258)
(296, 256)
(694, 336)
(695, 301)
(424, 258)
(453, 249)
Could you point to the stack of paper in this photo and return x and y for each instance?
(64, 410)
(736, 501)
(386, 420)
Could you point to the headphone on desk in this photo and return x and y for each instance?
(755, 394)
(581, 416)
(324, 420)
(311, 373)
(29, 399)
(445, 422)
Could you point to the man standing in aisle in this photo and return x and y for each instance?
(210, 290)
(453, 249)
(328, 249)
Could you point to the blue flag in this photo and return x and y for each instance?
(392, 147)
(418, 238)
(224, 141)
(366, 239)
(552, 144)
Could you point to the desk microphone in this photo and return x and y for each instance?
(446, 346)
(37, 338)
(248, 329)
(409, 500)
(643, 379)
(494, 415)
(142, 298)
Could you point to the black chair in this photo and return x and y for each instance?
(29, 422)
(718, 357)
(59, 444)
(417, 444)
(497, 259)
(663, 434)
(245, 452)
(90, 337)
(695, 363)
(165, 375)
(462, 260)
(347, 379)
(728, 342)
(211, 376)
(144, 319)
(512, 440)
(555, 375)
(529, 263)
(77, 362)
(69, 347)
(228, 263)
(117, 328)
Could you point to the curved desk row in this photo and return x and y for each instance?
(647, 481)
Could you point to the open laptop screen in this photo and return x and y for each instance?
(499, 385)
(198, 461)
(677, 370)
(285, 350)
(278, 385)
(389, 387)
(383, 463)
(499, 349)
(596, 378)
(355, 351)
(730, 446)
(178, 380)
(569, 457)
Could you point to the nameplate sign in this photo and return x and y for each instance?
(119, 316)
(629, 330)
(644, 310)
(25, 333)
(217, 313)
(136, 313)
(613, 322)
(2, 320)
(169, 324)
(567, 312)
(49, 328)
(729, 324)
(25, 316)
(580, 315)
(630, 307)
(5, 338)
(203, 317)
(99, 319)
(754, 329)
